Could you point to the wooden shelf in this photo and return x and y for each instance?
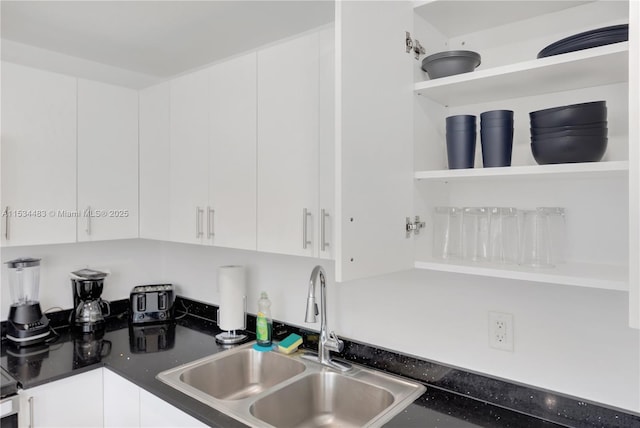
(606, 277)
(566, 170)
(603, 65)
(446, 17)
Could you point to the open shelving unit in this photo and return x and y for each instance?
(568, 78)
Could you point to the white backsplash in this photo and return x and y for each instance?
(572, 340)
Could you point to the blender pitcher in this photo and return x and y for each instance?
(26, 323)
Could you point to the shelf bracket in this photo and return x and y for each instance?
(414, 226)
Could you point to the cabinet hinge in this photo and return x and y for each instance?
(413, 45)
(414, 226)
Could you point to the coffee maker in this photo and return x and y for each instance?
(26, 324)
(90, 309)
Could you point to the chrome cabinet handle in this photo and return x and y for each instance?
(31, 424)
(323, 229)
(305, 240)
(6, 223)
(199, 232)
(88, 229)
(210, 214)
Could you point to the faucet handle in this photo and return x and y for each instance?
(335, 344)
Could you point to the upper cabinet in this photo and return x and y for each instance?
(230, 214)
(295, 146)
(237, 152)
(374, 139)
(155, 162)
(510, 77)
(107, 161)
(189, 154)
(288, 146)
(38, 156)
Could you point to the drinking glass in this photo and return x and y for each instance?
(503, 235)
(535, 250)
(557, 232)
(475, 234)
(446, 232)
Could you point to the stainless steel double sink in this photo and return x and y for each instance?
(271, 389)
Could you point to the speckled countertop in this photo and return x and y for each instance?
(127, 352)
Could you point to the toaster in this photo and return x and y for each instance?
(152, 303)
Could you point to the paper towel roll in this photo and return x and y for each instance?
(233, 289)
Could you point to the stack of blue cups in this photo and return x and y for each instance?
(496, 136)
(461, 141)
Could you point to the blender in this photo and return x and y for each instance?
(26, 325)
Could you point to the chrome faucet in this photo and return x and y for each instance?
(328, 340)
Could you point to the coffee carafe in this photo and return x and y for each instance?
(26, 324)
(90, 309)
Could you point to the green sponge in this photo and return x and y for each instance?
(290, 344)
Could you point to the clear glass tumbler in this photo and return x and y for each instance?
(504, 235)
(557, 232)
(475, 234)
(535, 249)
(447, 226)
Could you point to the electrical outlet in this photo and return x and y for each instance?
(501, 331)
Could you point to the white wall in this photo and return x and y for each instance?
(567, 339)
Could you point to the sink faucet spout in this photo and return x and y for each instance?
(328, 340)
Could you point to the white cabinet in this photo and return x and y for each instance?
(155, 162)
(107, 161)
(288, 147)
(374, 139)
(211, 163)
(156, 413)
(231, 210)
(38, 156)
(510, 77)
(76, 401)
(189, 154)
(121, 402)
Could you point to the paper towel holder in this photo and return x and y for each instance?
(232, 337)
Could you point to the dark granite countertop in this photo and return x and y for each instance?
(139, 353)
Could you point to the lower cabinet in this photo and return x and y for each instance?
(121, 402)
(155, 413)
(99, 398)
(76, 401)
(126, 405)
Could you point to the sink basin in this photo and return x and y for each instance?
(242, 374)
(237, 375)
(321, 400)
(270, 389)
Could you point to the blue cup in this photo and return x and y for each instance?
(461, 148)
(496, 138)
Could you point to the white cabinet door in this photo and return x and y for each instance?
(189, 141)
(288, 147)
(326, 136)
(121, 402)
(231, 214)
(76, 401)
(107, 161)
(155, 162)
(374, 139)
(38, 156)
(156, 413)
